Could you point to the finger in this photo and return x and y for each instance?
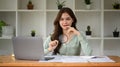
(69, 30)
(56, 41)
(68, 27)
(51, 43)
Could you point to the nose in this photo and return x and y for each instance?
(64, 21)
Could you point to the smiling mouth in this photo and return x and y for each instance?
(65, 25)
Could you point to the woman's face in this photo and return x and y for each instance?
(65, 21)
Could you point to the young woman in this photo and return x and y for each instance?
(66, 39)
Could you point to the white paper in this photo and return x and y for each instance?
(73, 59)
(101, 59)
(79, 59)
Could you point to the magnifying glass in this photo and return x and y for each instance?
(63, 38)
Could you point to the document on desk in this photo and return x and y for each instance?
(66, 59)
(79, 59)
(100, 59)
(73, 59)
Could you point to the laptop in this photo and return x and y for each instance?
(28, 48)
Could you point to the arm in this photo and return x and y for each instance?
(84, 44)
(46, 46)
(49, 46)
(82, 40)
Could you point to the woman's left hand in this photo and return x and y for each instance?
(72, 31)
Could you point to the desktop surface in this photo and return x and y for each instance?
(10, 61)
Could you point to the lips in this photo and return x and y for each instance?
(65, 26)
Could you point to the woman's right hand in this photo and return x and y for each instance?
(53, 45)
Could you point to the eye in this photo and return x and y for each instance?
(68, 18)
(61, 19)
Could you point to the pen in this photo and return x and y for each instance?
(96, 57)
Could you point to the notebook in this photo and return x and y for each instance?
(28, 48)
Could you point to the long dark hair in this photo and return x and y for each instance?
(57, 28)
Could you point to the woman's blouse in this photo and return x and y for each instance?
(72, 47)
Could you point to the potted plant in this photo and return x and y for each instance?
(33, 33)
(30, 5)
(60, 4)
(2, 23)
(115, 33)
(6, 30)
(116, 5)
(88, 4)
(88, 32)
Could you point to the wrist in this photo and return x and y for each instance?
(50, 49)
